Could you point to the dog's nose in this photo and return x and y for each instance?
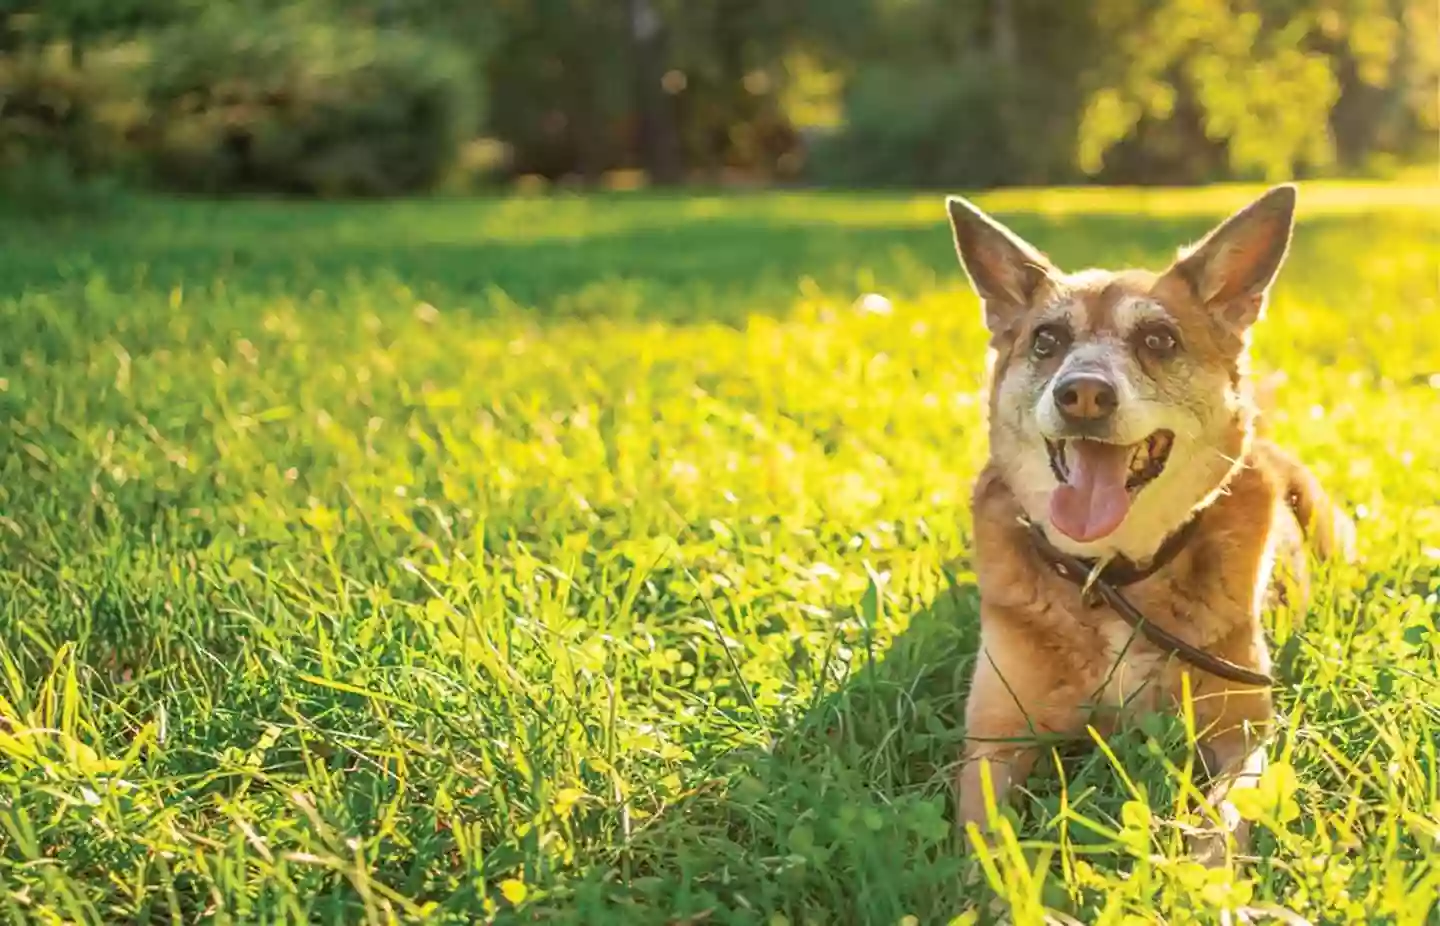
(1085, 398)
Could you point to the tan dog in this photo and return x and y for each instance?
(1122, 432)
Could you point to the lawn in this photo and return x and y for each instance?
(604, 559)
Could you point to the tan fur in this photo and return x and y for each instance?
(1049, 664)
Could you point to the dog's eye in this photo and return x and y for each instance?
(1158, 342)
(1049, 341)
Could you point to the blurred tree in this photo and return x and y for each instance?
(593, 85)
(727, 64)
(560, 71)
(657, 137)
(1262, 81)
(1125, 90)
(956, 93)
(1388, 71)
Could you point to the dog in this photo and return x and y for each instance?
(1126, 457)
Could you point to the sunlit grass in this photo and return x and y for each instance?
(602, 558)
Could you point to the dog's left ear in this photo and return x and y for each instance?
(1232, 268)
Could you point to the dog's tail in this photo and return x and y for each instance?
(1326, 526)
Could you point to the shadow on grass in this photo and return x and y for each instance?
(848, 809)
(655, 261)
(851, 806)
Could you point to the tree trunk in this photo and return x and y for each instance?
(1004, 44)
(659, 148)
(1005, 55)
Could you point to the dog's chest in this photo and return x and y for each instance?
(1130, 668)
(1123, 668)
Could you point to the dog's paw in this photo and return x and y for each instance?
(1219, 844)
(1208, 847)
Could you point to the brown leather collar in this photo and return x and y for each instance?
(1106, 583)
(1117, 572)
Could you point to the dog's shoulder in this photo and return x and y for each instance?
(1250, 523)
(1250, 546)
(1001, 560)
(1005, 563)
(1242, 518)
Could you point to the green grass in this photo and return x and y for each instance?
(597, 558)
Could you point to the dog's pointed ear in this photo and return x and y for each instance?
(1231, 269)
(1004, 269)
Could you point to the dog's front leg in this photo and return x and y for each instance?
(1005, 714)
(1007, 765)
(1233, 759)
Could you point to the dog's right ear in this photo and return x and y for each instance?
(1004, 268)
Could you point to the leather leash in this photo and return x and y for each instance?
(1112, 575)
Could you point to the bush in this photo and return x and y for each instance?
(917, 126)
(64, 128)
(934, 125)
(273, 102)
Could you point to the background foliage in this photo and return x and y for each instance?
(382, 96)
(278, 101)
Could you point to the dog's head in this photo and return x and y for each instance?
(1119, 400)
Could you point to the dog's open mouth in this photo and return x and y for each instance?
(1098, 481)
(1146, 459)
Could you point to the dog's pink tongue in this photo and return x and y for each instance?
(1094, 501)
